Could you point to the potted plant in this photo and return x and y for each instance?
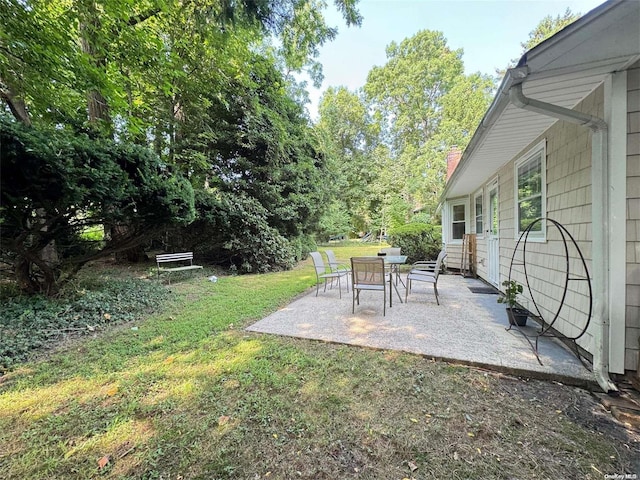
(517, 315)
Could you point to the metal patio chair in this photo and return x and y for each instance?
(335, 265)
(429, 265)
(426, 272)
(322, 273)
(368, 273)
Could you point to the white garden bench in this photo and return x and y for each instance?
(176, 258)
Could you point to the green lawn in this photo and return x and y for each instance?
(189, 394)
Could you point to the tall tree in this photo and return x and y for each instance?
(101, 50)
(41, 68)
(408, 89)
(350, 136)
(428, 105)
(194, 78)
(56, 188)
(546, 28)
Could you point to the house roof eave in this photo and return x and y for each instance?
(562, 70)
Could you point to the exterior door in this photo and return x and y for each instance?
(493, 234)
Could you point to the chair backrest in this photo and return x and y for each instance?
(318, 263)
(391, 251)
(331, 259)
(368, 271)
(441, 257)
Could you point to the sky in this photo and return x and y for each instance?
(488, 31)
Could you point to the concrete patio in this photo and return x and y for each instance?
(466, 328)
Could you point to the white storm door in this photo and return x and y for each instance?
(493, 234)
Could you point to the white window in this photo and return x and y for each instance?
(530, 191)
(458, 223)
(479, 213)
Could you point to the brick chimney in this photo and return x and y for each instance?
(453, 158)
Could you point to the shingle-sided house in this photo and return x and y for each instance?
(561, 140)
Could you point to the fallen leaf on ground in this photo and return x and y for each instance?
(104, 461)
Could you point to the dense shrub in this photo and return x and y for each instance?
(231, 230)
(302, 245)
(419, 241)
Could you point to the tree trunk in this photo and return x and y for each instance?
(97, 107)
(23, 276)
(16, 103)
(134, 254)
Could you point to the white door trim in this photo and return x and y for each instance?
(492, 230)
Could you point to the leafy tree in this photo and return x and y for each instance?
(407, 90)
(350, 138)
(546, 28)
(427, 105)
(195, 79)
(261, 146)
(335, 221)
(41, 69)
(57, 187)
(116, 55)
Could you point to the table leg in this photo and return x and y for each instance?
(393, 286)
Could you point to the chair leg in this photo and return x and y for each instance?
(339, 287)
(353, 301)
(435, 289)
(406, 291)
(317, 287)
(384, 304)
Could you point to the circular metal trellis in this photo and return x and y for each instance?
(546, 327)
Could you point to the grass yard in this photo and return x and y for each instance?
(188, 394)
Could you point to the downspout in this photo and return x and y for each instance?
(599, 218)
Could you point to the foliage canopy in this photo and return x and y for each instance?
(56, 186)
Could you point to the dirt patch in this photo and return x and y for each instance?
(582, 408)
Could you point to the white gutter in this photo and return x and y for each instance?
(599, 218)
